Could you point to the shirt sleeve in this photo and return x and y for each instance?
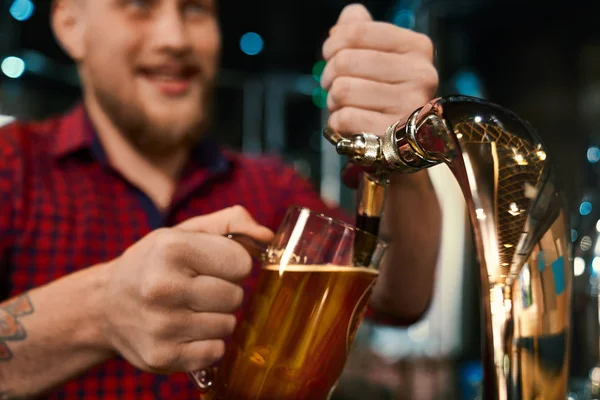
(8, 171)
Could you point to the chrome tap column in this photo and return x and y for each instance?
(519, 219)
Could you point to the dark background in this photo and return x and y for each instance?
(538, 58)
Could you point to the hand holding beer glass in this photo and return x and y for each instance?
(297, 329)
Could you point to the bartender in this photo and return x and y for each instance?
(115, 276)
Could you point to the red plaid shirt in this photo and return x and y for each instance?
(63, 208)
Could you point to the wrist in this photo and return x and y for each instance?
(96, 332)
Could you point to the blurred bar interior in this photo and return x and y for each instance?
(540, 60)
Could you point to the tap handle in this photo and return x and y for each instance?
(363, 148)
(332, 136)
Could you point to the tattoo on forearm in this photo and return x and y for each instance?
(11, 328)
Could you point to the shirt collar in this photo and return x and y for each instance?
(76, 133)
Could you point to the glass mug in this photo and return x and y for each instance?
(297, 328)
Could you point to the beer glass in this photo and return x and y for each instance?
(298, 326)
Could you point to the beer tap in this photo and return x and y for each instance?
(520, 222)
(365, 150)
(373, 159)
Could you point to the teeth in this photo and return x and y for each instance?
(166, 77)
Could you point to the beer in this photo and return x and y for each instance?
(294, 338)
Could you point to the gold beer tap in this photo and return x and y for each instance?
(520, 223)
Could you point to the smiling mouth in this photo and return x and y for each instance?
(170, 80)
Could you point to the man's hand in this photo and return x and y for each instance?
(170, 298)
(376, 72)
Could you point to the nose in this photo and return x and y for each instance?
(169, 32)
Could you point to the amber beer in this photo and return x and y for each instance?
(297, 328)
(296, 333)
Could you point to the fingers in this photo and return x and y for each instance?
(192, 254)
(376, 72)
(210, 294)
(171, 340)
(179, 326)
(199, 355)
(360, 105)
(207, 326)
(374, 35)
(216, 256)
(374, 65)
(362, 93)
(233, 219)
(354, 13)
(185, 357)
(351, 120)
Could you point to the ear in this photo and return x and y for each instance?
(67, 25)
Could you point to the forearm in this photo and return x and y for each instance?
(412, 225)
(51, 334)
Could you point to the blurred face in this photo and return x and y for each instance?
(150, 66)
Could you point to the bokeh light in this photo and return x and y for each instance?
(21, 10)
(593, 154)
(467, 82)
(251, 43)
(319, 97)
(13, 67)
(578, 266)
(585, 208)
(586, 243)
(317, 70)
(404, 18)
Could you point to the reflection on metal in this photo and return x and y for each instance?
(331, 163)
(519, 218)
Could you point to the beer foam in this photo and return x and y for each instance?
(319, 268)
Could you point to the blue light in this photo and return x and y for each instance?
(468, 83)
(13, 67)
(404, 18)
(585, 208)
(251, 43)
(593, 154)
(574, 235)
(21, 10)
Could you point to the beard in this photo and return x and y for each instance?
(156, 140)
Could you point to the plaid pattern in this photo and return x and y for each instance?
(62, 208)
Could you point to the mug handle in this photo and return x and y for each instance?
(205, 378)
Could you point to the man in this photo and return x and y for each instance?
(113, 215)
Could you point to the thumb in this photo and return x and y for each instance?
(354, 13)
(234, 219)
